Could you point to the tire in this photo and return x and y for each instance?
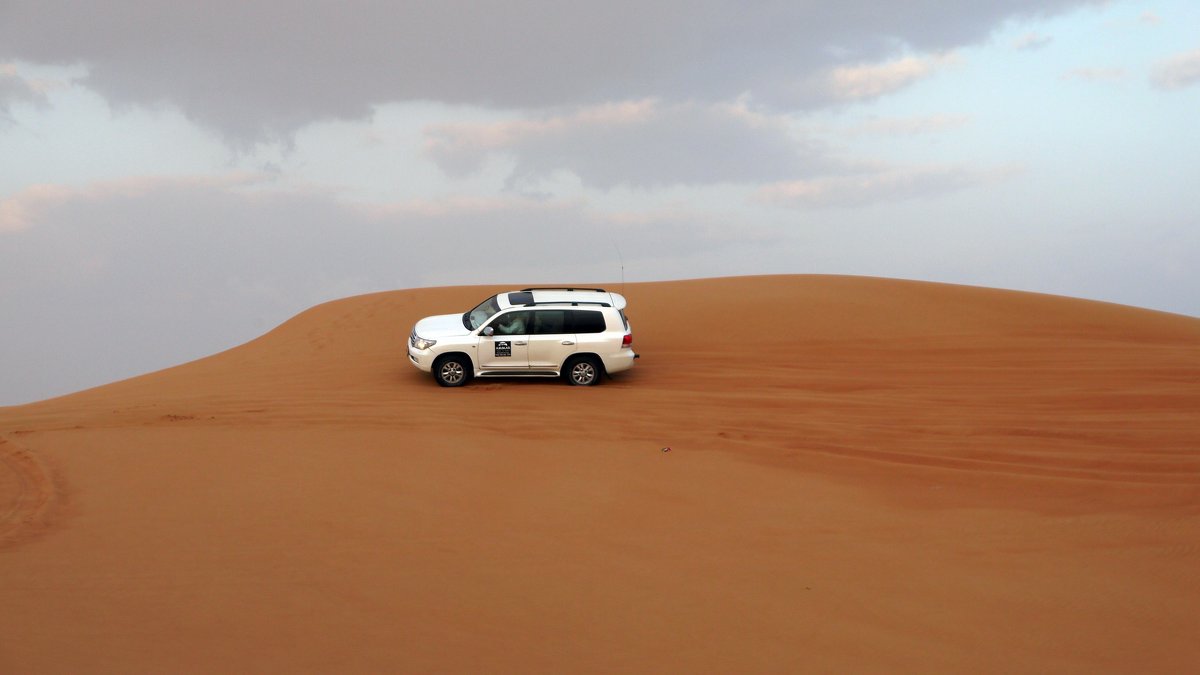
(452, 371)
(583, 371)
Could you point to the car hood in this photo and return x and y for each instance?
(443, 325)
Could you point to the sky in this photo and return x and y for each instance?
(177, 178)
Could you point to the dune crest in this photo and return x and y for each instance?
(865, 475)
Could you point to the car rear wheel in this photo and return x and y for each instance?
(583, 371)
(452, 371)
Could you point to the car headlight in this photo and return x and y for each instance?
(421, 343)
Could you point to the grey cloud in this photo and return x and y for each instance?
(16, 89)
(868, 81)
(1032, 41)
(262, 69)
(642, 144)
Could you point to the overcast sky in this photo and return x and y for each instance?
(179, 177)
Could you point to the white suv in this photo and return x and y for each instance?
(577, 333)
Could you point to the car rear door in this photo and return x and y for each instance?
(549, 341)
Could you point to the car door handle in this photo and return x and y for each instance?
(520, 344)
(568, 342)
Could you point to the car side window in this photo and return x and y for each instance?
(587, 322)
(512, 323)
(549, 322)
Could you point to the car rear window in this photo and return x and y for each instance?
(587, 322)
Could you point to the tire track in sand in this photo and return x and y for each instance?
(29, 495)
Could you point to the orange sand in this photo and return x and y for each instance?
(865, 475)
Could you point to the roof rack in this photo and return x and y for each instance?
(561, 288)
(573, 303)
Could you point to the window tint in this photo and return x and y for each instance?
(520, 298)
(588, 322)
(512, 323)
(549, 322)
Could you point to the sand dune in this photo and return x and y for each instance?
(865, 475)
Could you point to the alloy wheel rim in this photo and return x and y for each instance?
(452, 372)
(583, 373)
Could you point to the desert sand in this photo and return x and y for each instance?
(863, 475)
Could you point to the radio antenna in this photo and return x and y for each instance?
(621, 260)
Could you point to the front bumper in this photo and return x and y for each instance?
(423, 360)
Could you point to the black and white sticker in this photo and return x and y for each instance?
(503, 348)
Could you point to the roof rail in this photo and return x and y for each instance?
(561, 288)
(573, 303)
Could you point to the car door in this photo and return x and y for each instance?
(508, 346)
(549, 341)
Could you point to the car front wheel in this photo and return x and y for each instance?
(452, 371)
(583, 372)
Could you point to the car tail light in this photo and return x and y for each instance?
(627, 340)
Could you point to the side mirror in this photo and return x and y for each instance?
(488, 331)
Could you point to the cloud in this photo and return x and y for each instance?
(462, 148)
(872, 187)
(263, 68)
(872, 80)
(14, 88)
(911, 126)
(1150, 18)
(1177, 72)
(1032, 41)
(32, 204)
(19, 211)
(638, 143)
(195, 233)
(1095, 74)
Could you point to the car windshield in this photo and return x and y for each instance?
(482, 312)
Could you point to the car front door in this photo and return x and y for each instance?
(507, 348)
(549, 341)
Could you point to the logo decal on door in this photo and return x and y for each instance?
(503, 348)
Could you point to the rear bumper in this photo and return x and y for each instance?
(622, 360)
